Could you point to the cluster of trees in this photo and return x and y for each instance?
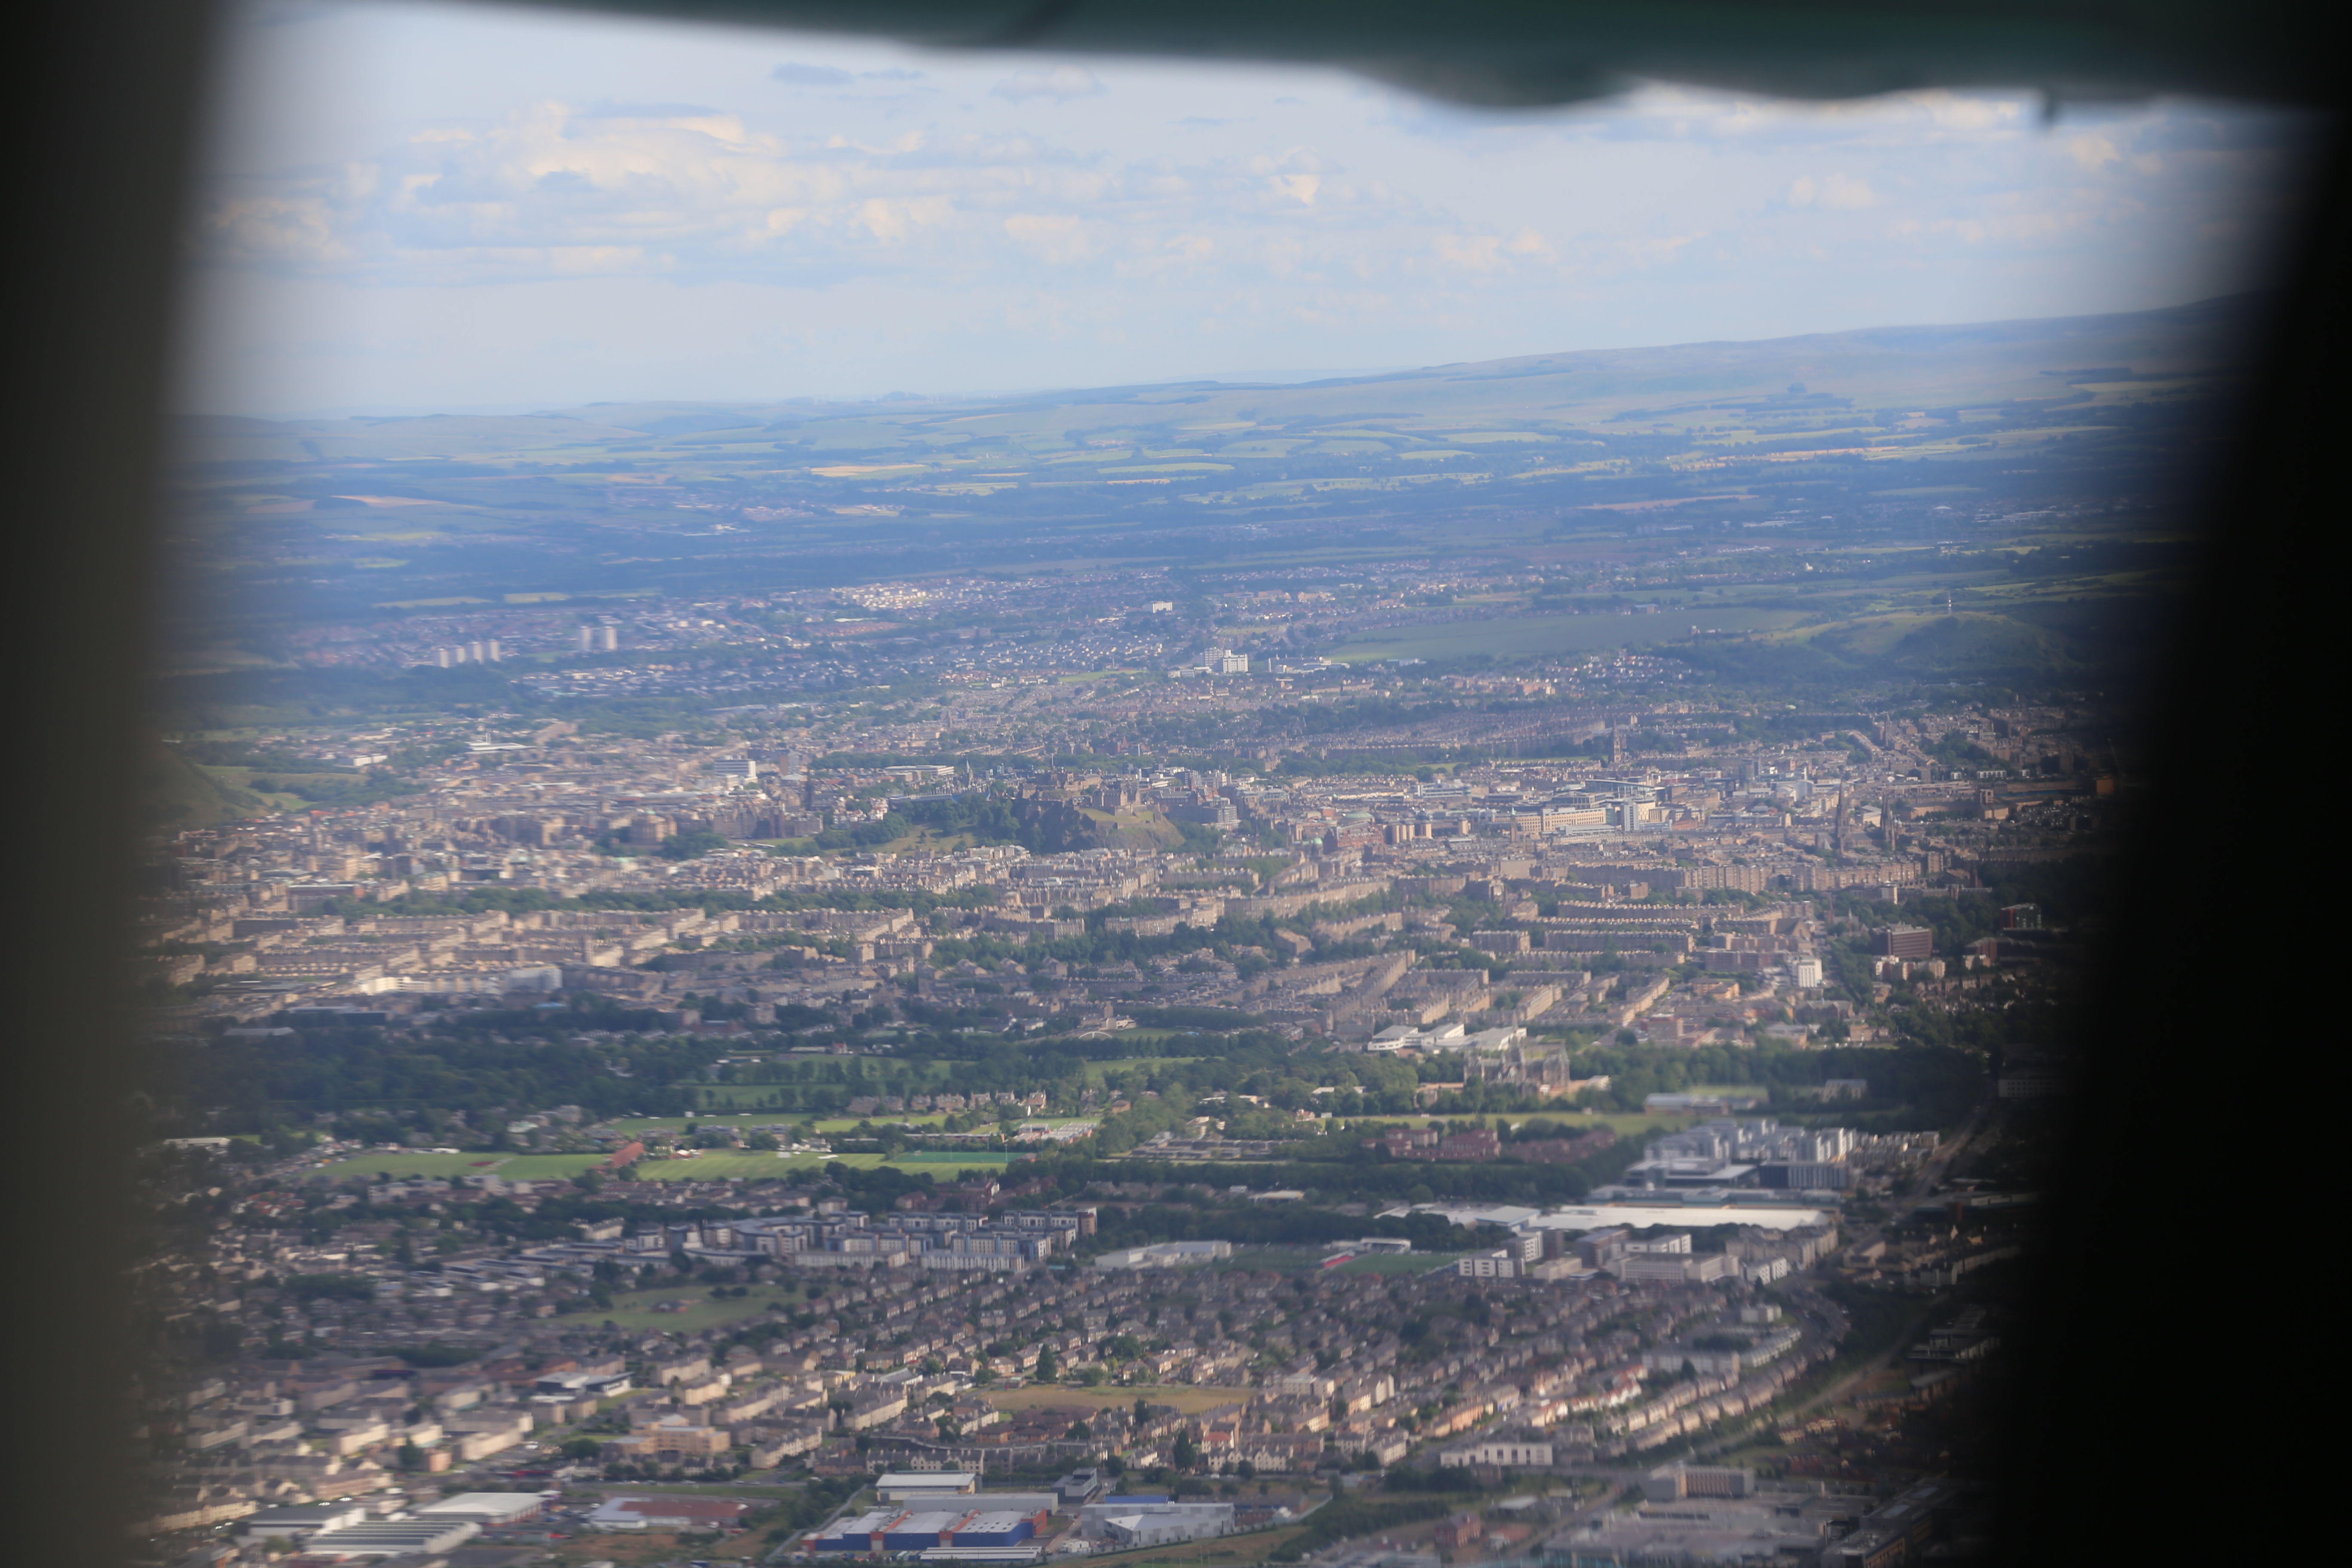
(513, 1061)
(307, 778)
(1099, 945)
(983, 816)
(1338, 1170)
(468, 1212)
(244, 698)
(1934, 1085)
(2066, 891)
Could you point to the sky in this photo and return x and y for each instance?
(412, 208)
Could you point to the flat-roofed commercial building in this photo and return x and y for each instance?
(921, 1532)
(994, 1527)
(491, 1510)
(863, 1534)
(914, 1486)
(1159, 1523)
(1903, 942)
(1511, 1453)
(288, 1523)
(1668, 1483)
(393, 1538)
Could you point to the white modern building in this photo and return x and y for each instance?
(491, 1510)
(393, 1538)
(293, 1523)
(917, 1486)
(1128, 1522)
(1166, 1255)
(1511, 1453)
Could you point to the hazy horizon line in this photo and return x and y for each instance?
(1234, 379)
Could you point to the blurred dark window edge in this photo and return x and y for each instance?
(2150, 1360)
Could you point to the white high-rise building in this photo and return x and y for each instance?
(608, 639)
(491, 650)
(587, 639)
(1805, 974)
(441, 656)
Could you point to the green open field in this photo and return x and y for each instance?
(710, 1165)
(1398, 1263)
(634, 1309)
(513, 1167)
(756, 1165)
(1553, 458)
(637, 1126)
(773, 1100)
(1099, 1074)
(720, 1165)
(725, 1098)
(1571, 1121)
(1538, 635)
(751, 1164)
(1632, 1126)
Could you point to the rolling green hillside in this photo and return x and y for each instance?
(1817, 455)
(1728, 394)
(173, 792)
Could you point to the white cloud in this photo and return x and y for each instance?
(1837, 193)
(1295, 176)
(684, 191)
(1183, 253)
(2093, 153)
(891, 222)
(1286, 257)
(1287, 205)
(1473, 252)
(1665, 247)
(1529, 243)
(1057, 238)
(1950, 112)
(697, 191)
(1491, 253)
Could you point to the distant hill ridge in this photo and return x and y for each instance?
(1979, 360)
